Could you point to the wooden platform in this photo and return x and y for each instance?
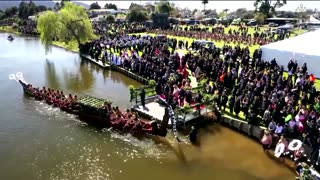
(155, 110)
(100, 63)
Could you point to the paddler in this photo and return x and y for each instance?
(130, 123)
(118, 112)
(105, 110)
(137, 125)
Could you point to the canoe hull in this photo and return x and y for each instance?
(95, 120)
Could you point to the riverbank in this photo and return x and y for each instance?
(71, 46)
(9, 29)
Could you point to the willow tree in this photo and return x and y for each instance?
(70, 23)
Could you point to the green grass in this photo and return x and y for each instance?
(71, 46)
(220, 44)
(9, 29)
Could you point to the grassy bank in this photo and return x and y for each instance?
(220, 44)
(71, 46)
(9, 29)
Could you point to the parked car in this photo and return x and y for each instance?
(273, 25)
(252, 23)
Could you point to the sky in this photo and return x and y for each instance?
(218, 5)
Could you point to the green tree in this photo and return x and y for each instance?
(267, 8)
(204, 2)
(32, 9)
(70, 23)
(111, 6)
(95, 6)
(63, 2)
(136, 6)
(1, 14)
(163, 7)
(110, 19)
(9, 12)
(248, 15)
(136, 15)
(259, 17)
(42, 8)
(150, 8)
(240, 12)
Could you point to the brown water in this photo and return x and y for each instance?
(40, 142)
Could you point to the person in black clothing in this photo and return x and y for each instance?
(143, 96)
(224, 100)
(188, 96)
(193, 135)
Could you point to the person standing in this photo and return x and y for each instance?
(143, 97)
(193, 135)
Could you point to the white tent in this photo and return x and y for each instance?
(313, 20)
(303, 48)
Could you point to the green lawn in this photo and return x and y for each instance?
(71, 46)
(251, 30)
(9, 29)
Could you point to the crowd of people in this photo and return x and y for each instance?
(288, 104)
(258, 89)
(232, 35)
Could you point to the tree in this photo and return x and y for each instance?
(57, 6)
(11, 11)
(204, 2)
(42, 8)
(223, 14)
(63, 2)
(70, 23)
(25, 10)
(267, 8)
(248, 15)
(136, 15)
(240, 12)
(110, 19)
(163, 7)
(175, 12)
(194, 11)
(32, 9)
(111, 6)
(211, 12)
(136, 6)
(94, 6)
(150, 8)
(259, 17)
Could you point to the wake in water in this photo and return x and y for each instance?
(155, 146)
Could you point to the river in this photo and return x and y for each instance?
(40, 142)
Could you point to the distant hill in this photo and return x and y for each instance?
(48, 3)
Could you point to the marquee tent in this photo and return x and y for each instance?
(313, 20)
(303, 48)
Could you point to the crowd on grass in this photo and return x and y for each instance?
(261, 91)
(240, 35)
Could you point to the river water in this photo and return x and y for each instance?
(40, 142)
